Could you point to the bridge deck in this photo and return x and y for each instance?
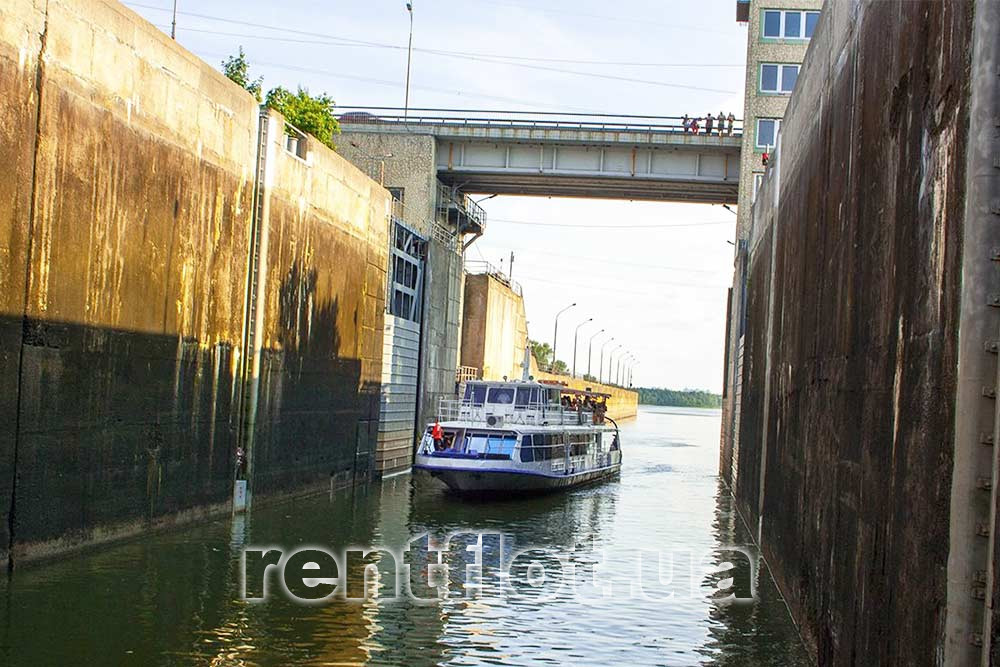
(604, 157)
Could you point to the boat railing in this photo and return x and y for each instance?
(535, 414)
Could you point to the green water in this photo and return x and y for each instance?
(174, 599)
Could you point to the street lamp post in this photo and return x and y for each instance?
(623, 369)
(618, 369)
(600, 369)
(555, 336)
(611, 359)
(590, 350)
(173, 23)
(575, 335)
(409, 58)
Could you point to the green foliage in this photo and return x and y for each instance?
(587, 377)
(312, 114)
(543, 355)
(685, 398)
(309, 113)
(237, 69)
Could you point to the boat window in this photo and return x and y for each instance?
(541, 447)
(501, 395)
(502, 444)
(523, 397)
(476, 443)
(527, 452)
(554, 396)
(475, 394)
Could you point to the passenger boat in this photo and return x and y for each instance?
(520, 437)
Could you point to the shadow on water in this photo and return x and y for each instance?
(174, 598)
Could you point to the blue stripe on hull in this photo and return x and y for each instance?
(500, 480)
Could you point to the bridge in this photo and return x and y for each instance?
(567, 155)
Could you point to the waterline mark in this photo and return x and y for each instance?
(485, 565)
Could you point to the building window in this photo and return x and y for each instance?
(788, 24)
(778, 78)
(758, 179)
(767, 132)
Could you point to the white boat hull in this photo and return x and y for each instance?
(504, 480)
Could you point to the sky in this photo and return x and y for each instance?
(652, 275)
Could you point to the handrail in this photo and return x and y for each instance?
(536, 414)
(674, 128)
(511, 112)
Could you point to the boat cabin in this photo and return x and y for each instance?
(525, 402)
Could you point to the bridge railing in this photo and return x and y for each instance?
(544, 120)
(477, 267)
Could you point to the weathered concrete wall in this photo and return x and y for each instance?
(125, 240)
(324, 251)
(403, 161)
(847, 434)
(134, 310)
(21, 24)
(494, 327)
(495, 332)
(442, 328)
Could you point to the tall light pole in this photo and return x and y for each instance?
(173, 23)
(600, 369)
(555, 336)
(590, 350)
(611, 359)
(409, 58)
(575, 334)
(618, 369)
(623, 369)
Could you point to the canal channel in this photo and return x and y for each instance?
(175, 598)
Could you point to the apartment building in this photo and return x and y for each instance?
(778, 34)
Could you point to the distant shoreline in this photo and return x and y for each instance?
(679, 398)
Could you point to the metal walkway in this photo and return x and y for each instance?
(568, 155)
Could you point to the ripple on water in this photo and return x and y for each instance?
(174, 598)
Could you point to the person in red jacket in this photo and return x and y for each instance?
(438, 435)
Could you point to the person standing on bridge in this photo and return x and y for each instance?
(722, 123)
(708, 124)
(729, 130)
(686, 122)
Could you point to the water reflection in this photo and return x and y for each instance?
(175, 598)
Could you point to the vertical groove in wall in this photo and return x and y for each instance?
(39, 85)
(970, 563)
(983, 209)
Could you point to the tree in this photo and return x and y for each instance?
(542, 353)
(237, 69)
(312, 114)
(685, 398)
(560, 367)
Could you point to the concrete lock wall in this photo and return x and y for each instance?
(324, 253)
(494, 327)
(125, 241)
(495, 332)
(848, 440)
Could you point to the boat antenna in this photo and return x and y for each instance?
(526, 364)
